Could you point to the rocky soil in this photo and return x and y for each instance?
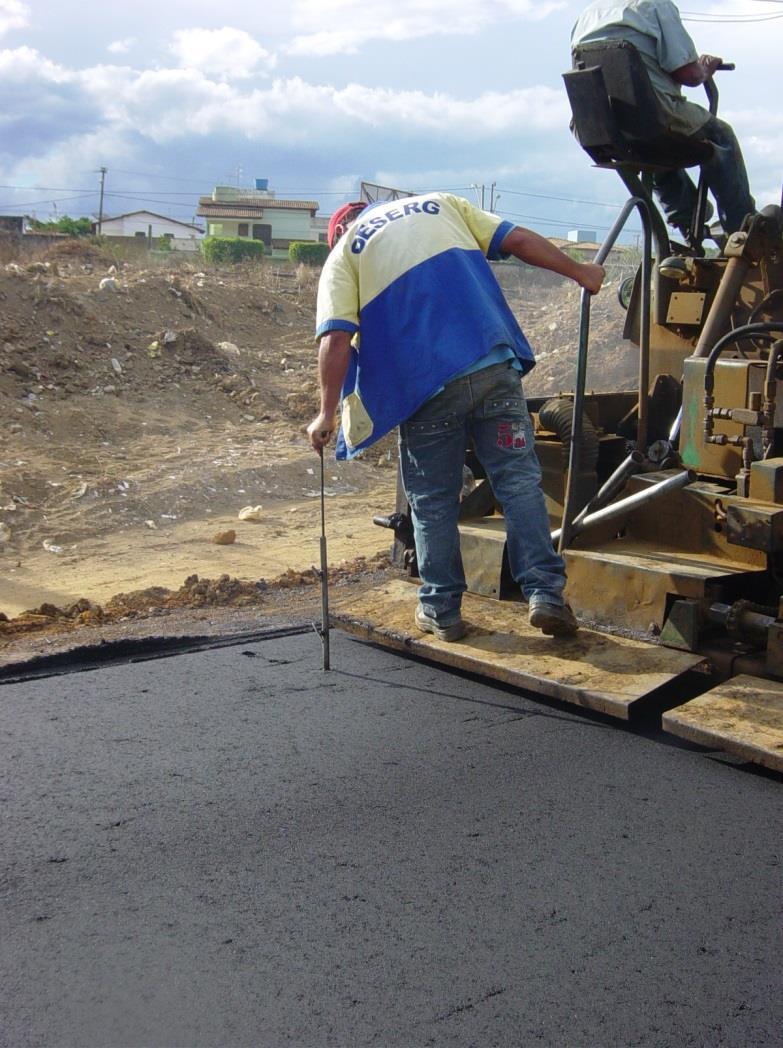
(144, 406)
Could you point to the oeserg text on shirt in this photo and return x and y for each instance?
(372, 225)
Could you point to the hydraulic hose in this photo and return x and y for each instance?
(762, 328)
(557, 415)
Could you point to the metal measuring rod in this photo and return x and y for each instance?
(324, 574)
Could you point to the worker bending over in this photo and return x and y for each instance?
(415, 332)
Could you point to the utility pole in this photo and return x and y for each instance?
(481, 195)
(100, 202)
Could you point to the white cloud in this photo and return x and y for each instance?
(168, 104)
(121, 47)
(108, 113)
(85, 152)
(25, 63)
(13, 15)
(342, 26)
(760, 132)
(198, 111)
(224, 53)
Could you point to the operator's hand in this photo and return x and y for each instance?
(709, 63)
(320, 431)
(591, 276)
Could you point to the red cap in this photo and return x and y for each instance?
(343, 217)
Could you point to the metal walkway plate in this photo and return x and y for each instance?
(596, 670)
(743, 716)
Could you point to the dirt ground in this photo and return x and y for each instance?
(144, 405)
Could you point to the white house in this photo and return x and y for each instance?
(146, 225)
(320, 228)
(258, 214)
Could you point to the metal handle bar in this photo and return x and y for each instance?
(574, 453)
(711, 88)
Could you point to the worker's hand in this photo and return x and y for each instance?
(591, 276)
(320, 431)
(709, 63)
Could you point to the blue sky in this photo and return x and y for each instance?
(317, 95)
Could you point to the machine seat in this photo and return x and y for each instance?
(617, 118)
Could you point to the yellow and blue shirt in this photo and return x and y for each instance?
(410, 280)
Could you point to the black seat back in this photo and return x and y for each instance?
(617, 118)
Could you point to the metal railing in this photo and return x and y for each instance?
(645, 215)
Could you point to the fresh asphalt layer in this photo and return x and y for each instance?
(232, 847)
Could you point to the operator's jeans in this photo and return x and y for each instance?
(489, 407)
(726, 179)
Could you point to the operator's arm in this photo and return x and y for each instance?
(334, 354)
(695, 73)
(536, 250)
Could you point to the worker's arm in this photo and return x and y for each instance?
(334, 355)
(536, 250)
(695, 73)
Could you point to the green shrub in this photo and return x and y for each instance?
(308, 252)
(73, 227)
(163, 244)
(231, 249)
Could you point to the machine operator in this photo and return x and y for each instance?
(655, 29)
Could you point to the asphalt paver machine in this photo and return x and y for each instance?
(666, 500)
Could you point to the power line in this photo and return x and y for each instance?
(48, 200)
(69, 189)
(567, 200)
(158, 192)
(203, 182)
(540, 220)
(188, 204)
(145, 199)
(695, 16)
(139, 194)
(52, 189)
(163, 178)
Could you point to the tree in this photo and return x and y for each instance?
(74, 227)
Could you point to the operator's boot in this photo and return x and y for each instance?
(555, 620)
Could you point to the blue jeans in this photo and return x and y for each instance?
(489, 407)
(726, 179)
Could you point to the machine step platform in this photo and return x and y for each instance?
(597, 670)
(743, 716)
